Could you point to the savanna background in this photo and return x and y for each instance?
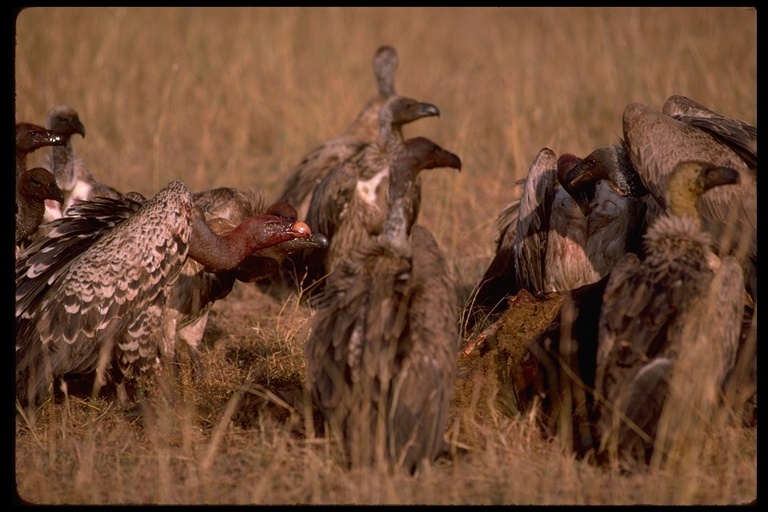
(235, 97)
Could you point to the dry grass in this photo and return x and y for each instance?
(236, 97)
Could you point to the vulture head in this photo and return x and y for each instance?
(690, 179)
(400, 110)
(39, 183)
(266, 261)
(30, 137)
(418, 154)
(255, 233)
(33, 188)
(409, 159)
(609, 163)
(63, 119)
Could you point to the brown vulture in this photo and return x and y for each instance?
(72, 175)
(669, 326)
(382, 352)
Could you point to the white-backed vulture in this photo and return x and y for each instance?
(349, 205)
(92, 292)
(32, 189)
(669, 326)
(65, 121)
(364, 129)
(381, 356)
(547, 242)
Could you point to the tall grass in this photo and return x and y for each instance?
(236, 96)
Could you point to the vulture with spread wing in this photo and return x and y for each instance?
(93, 292)
(547, 242)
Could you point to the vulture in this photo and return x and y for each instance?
(364, 129)
(349, 205)
(197, 288)
(383, 346)
(33, 187)
(31, 137)
(547, 242)
(92, 293)
(72, 176)
(669, 326)
(657, 141)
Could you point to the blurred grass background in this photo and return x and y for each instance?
(236, 97)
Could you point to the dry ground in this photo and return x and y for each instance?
(243, 433)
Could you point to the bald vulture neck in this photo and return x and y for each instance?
(396, 228)
(401, 194)
(226, 252)
(390, 134)
(63, 164)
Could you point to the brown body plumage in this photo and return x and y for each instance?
(657, 142)
(32, 189)
(669, 325)
(363, 130)
(93, 291)
(349, 205)
(381, 357)
(738, 135)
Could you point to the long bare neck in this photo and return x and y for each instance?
(226, 252)
(63, 166)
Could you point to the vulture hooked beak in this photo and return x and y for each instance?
(428, 109)
(79, 127)
(55, 193)
(305, 238)
(577, 180)
(715, 176)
